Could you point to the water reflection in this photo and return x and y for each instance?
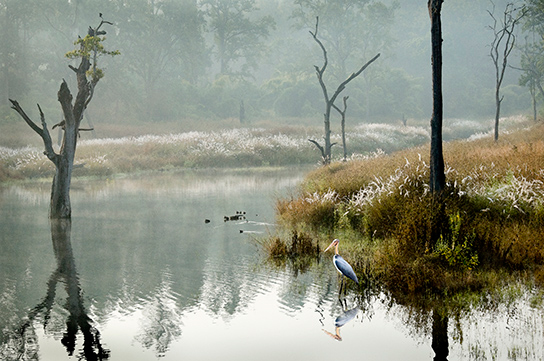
(342, 319)
(161, 322)
(439, 342)
(23, 341)
(161, 282)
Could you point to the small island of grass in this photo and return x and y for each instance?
(491, 216)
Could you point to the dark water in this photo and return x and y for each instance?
(139, 275)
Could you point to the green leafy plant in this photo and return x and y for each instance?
(455, 249)
(91, 46)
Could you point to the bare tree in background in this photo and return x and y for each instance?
(329, 101)
(88, 75)
(501, 47)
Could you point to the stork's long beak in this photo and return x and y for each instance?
(330, 245)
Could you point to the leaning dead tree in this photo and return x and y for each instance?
(502, 45)
(325, 149)
(87, 75)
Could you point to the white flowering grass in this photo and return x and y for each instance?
(232, 147)
(367, 138)
(510, 191)
(222, 148)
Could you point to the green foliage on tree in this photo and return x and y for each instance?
(91, 47)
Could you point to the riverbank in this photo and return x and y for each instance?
(140, 148)
(492, 214)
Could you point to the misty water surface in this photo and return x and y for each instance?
(139, 274)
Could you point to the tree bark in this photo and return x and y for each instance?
(438, 178)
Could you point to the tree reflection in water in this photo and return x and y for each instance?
(77, 319)
(161, 324)
(440, 336)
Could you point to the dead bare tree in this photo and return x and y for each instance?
(90, 47)
(329, 101)
(501, 47)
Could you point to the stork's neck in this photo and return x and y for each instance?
(336, 249)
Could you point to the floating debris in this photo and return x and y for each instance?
(239, 216)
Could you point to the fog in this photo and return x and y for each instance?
(188, 61)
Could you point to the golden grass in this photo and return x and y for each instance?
(491, 217)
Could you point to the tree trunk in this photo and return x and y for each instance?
(60, 206)
(438, 178)
(498, 101)
(344, 147)
(328, 146)
(343, 124)
(60, 190)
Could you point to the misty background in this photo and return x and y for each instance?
(189, 61)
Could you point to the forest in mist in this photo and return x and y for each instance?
(188, 60)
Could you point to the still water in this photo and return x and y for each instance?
(149, 269)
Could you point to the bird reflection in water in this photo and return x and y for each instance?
(340, 321)
(77, 319)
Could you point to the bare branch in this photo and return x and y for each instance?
(15, 106)
(342, 86)
(318, 147)
(43, 132)
(48, 143)
(342, 112)
(321, 70)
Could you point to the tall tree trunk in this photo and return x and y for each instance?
(438, 178)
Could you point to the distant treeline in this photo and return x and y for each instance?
(254, 59)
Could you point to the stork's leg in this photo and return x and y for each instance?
(341, 285)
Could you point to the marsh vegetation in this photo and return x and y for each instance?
(492, 223)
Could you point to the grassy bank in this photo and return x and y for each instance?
(492, 217)
(115, 149)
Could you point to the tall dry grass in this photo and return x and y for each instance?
(491, 214)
